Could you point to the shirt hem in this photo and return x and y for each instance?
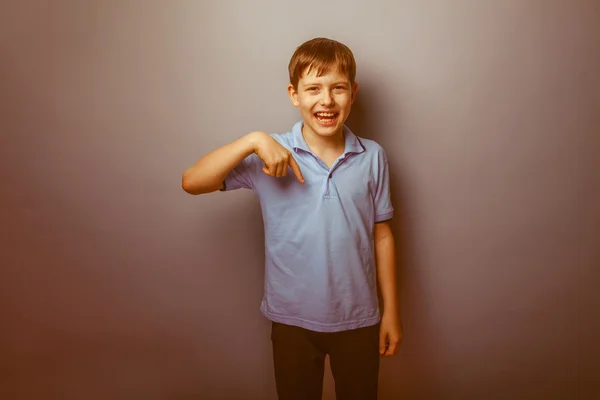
(320, 327)
(384, 217)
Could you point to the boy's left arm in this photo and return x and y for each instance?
(390, 335)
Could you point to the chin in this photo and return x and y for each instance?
(329, 132)
(326, 131)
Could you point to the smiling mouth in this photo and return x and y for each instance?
(326, 117)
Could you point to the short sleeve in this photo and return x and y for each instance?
(383, 203)
(241, 176)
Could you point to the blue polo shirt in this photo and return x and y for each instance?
(320, 261)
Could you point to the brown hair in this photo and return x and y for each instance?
(322, 54)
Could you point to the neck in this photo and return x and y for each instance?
(336, 142)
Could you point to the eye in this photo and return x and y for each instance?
(340, 87)
(312, 89)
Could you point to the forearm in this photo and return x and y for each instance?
(385, 255)
(208, 173)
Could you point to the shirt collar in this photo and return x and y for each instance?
(352, 145)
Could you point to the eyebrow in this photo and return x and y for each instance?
(346, 83)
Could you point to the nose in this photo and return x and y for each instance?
(327, 99)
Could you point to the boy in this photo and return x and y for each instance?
(328, 241)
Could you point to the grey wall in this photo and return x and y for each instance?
(115, 284)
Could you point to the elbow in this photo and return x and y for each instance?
(191, 185)
(187, 184)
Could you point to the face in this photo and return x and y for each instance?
(324, 101)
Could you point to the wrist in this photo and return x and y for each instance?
(389, 312)
(254, 139)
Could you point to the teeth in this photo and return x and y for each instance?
(325, 114)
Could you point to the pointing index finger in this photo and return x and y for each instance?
(295, 168)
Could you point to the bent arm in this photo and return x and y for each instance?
(208, 173)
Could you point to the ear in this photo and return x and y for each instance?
(293, 95)
(354, 90)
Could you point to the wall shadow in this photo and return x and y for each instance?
(369, 119)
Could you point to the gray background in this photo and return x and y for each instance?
(115, 284)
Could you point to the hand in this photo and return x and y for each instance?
(277, 158)
(390, 335)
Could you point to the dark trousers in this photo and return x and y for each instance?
(299, 361)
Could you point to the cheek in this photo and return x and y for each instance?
(308, 106)
(344, 99)
(344, 103)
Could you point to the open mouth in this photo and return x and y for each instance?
(326, 118)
